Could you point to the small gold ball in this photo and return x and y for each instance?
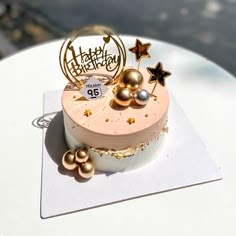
(81, 155)
(87, 169)
(123, 97)
(68, 160)
(132, 79)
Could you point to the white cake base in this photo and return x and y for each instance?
(108, 163)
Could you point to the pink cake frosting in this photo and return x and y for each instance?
(108, 127)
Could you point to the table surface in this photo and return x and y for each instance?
(207, 95)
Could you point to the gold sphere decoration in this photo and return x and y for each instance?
(132, 79)
(68, 160)
(123, 97)
(81, 155)
(86, 170)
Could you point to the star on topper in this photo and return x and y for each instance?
(157, 74)
(140, 50)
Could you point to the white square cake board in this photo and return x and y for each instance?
(184, 161)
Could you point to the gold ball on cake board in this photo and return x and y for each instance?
(86, 170)
(68, 160)
(132, 79)
(81, 155)
(123, 97)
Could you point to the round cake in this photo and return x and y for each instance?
(117, 138)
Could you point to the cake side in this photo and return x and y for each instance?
(122, 160)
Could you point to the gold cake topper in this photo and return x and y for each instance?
(78, 61)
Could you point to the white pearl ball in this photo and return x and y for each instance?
(141, 97)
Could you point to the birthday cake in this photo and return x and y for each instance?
(113, 122)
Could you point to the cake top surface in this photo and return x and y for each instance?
(105, 117)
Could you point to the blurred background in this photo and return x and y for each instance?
(207, 27)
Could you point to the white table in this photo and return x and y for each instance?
(206, 93)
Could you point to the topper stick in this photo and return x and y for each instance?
(139, 63)
(152, 95)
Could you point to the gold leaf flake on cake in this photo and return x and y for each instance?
(165, 129)
(115, 89)
(131, 120)
(88, 112)
(119, 154)
(124, 153)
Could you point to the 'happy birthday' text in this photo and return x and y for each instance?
(83, 62)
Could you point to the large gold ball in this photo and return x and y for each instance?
(68, 160)
(132, 79)
(81, 155)
(87, 169)
(123, 97)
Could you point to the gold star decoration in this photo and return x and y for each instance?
(88, 113)
(131, 121)
(140, 50)
(158, 74)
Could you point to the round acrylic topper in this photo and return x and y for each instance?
(104, 60)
